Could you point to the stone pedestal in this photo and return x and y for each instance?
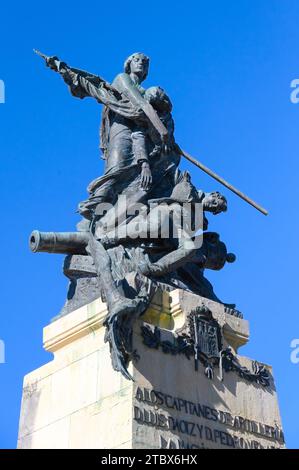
(78, 401)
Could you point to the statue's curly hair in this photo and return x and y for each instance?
(127, 64)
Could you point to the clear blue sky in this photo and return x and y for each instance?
(227, 66)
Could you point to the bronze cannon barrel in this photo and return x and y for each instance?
(73, 243)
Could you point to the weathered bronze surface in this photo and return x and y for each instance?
(114, 253)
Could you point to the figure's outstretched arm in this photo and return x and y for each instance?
(82, 84)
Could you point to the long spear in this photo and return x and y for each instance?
(221, 180)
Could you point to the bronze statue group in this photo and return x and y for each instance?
(142, 196)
